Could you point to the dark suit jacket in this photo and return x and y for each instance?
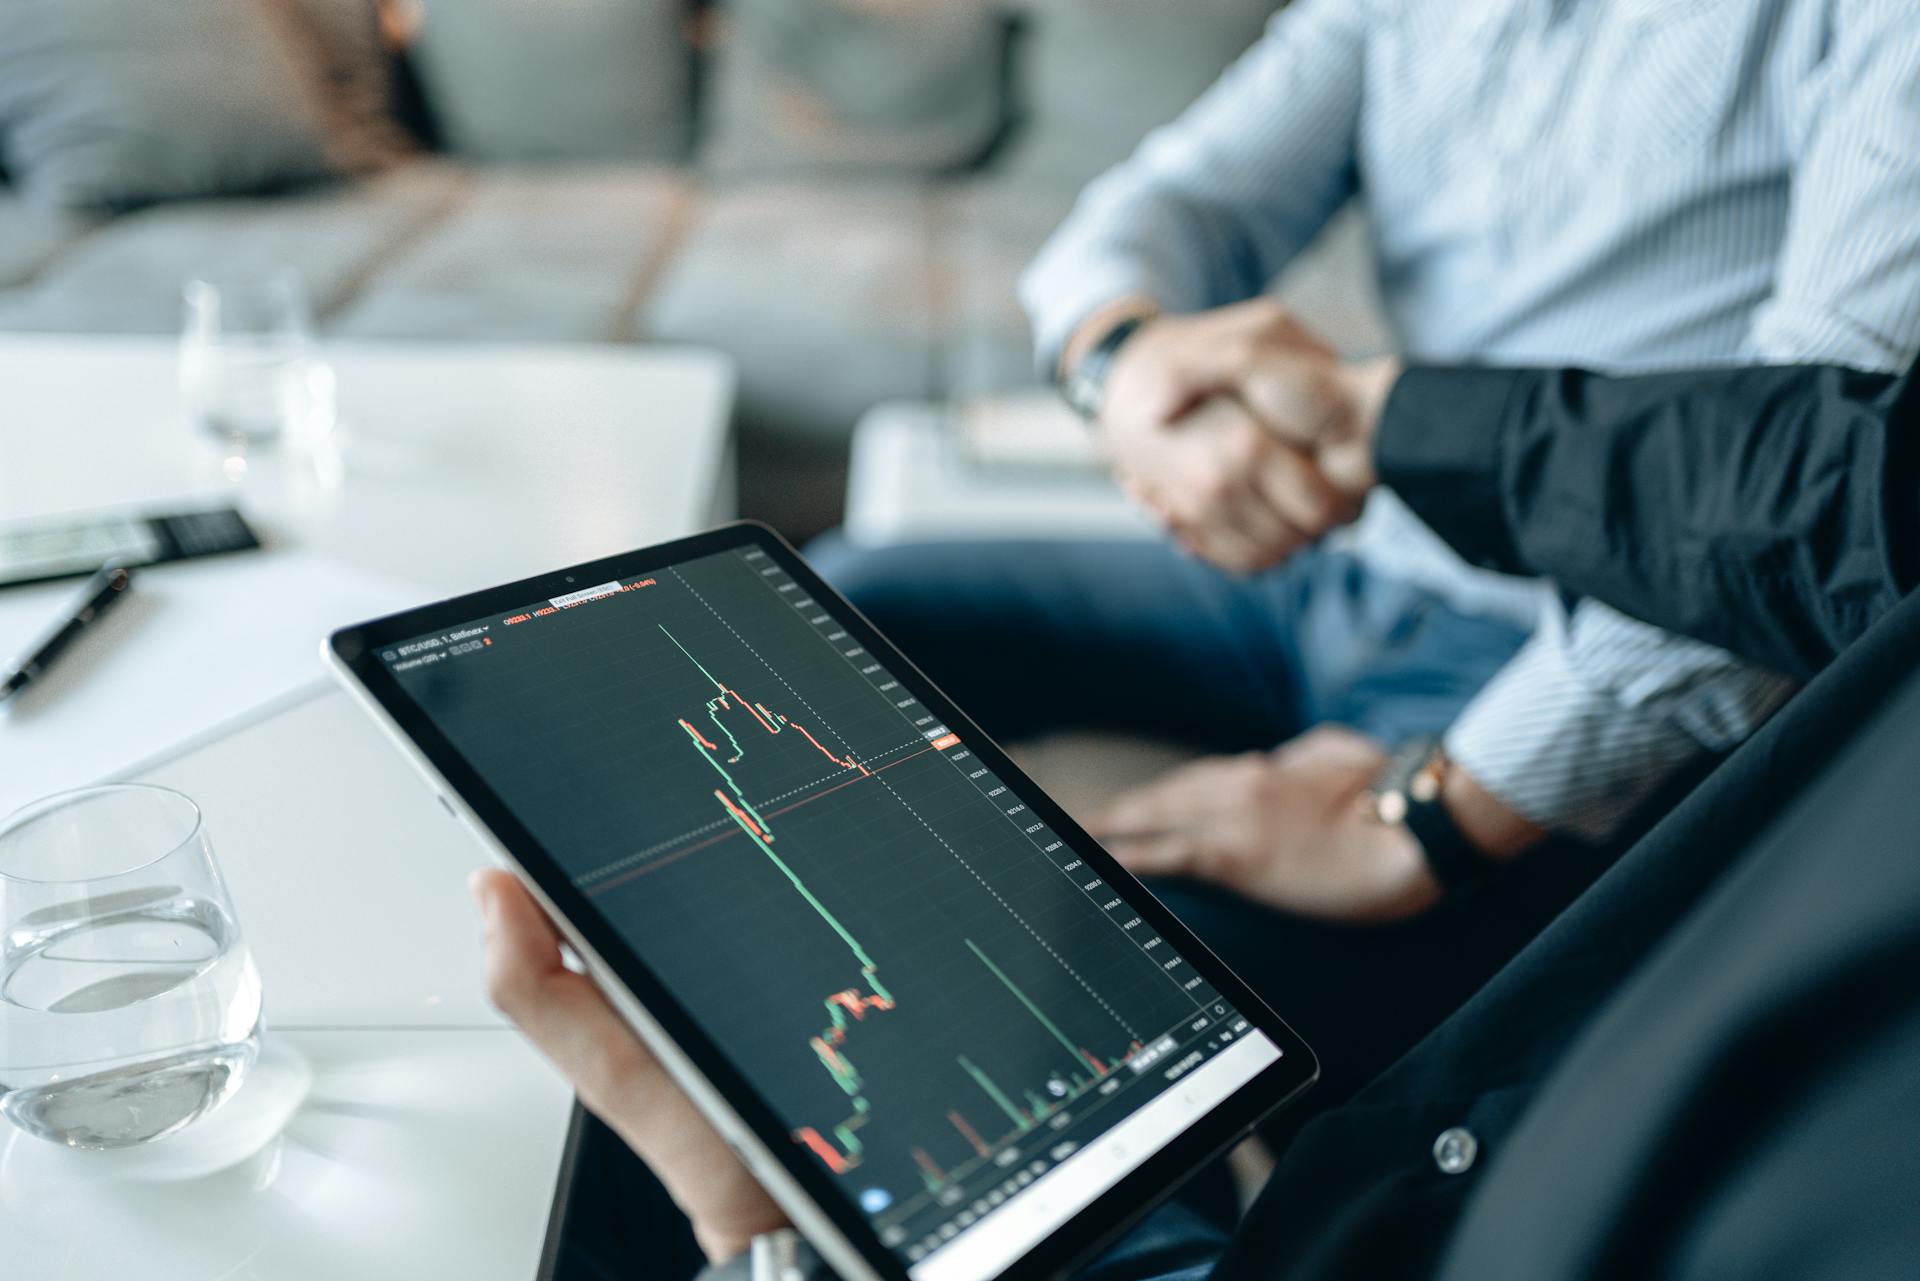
(1773, 511)
(1709, 1065)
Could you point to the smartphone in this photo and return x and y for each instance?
(74, 546)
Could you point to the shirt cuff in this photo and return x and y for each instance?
(1439, 447)
(1061, 293)
(1562, 753)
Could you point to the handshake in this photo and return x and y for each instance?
(1240, 431)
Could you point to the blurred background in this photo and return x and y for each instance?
(838, 194)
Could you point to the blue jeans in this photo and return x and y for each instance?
(1028, 637)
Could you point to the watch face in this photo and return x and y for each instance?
(1083, 393)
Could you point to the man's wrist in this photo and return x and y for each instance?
(1371, 383)
(1460, 832)
(1498, 832)
(1366, 385)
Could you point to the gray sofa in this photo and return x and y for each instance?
(844, 254)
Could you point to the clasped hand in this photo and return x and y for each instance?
(1242, 432)
(1292, 829)
(617, 1078)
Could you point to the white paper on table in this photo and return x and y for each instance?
(195, 647)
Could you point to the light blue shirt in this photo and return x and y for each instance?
(1618, 184)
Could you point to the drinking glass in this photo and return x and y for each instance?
(249, 367)
(129, 1003)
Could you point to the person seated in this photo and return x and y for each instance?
(1704, 1068)
(1626, 185)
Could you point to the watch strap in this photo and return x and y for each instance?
(1408, 792)
(1086, 387)
(1453, 859)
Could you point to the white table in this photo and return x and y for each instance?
(467, 464)
(431, 1136)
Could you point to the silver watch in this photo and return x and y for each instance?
(780, 1255)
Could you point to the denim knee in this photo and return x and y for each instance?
(873, 578)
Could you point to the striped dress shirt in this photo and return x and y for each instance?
(1621, 184)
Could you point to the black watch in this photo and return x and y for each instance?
(1086, 387)
(1407, 793)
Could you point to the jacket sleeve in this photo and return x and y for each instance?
(1772, 511)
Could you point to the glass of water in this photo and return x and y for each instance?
(129, 1004)
(250, 369)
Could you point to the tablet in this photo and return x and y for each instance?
(954, 1039)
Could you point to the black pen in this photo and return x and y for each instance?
(101, 591)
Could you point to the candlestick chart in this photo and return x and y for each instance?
(916, 974)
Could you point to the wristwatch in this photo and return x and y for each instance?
(1407, 792)
(780, 1255)
(1086, 387)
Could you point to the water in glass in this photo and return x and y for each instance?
(249, 367)
(129, 1003)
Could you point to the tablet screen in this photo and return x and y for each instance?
(963, 1024)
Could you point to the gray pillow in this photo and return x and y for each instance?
(113, 103)
(911, 87)
(535, 80)
(1097, 75)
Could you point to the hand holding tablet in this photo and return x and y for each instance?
(948, 1035)
(564, 1014)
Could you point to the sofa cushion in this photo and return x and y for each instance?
(546, 254)
(911, 87)
(1096, 75)
(534, 80)
(824, 294)
(113, 103)
(126, 277)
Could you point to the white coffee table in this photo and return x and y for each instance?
(431, 1136)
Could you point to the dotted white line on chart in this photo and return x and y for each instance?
(819, 720)
(637, 855)
(1131, 1034)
